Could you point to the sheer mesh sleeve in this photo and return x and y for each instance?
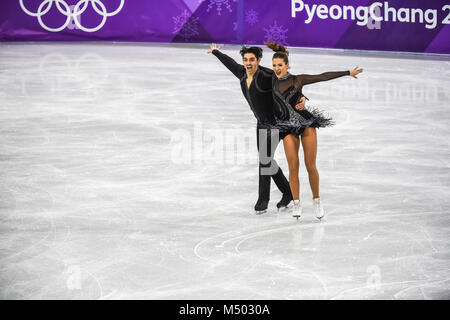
(304, 79)
(237, 69)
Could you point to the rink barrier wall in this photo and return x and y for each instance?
(394, 25)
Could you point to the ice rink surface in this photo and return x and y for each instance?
(129, 171)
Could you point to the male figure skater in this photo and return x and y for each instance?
(256, 85)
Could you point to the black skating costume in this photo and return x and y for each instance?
(259, 94)
(259, 97)
(287, 91)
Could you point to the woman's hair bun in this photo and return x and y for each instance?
(276, 47)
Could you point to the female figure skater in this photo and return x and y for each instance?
(299, 123)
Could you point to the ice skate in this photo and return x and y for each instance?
(261, 206)
(284, 202)
(297, 209)
(318, 209)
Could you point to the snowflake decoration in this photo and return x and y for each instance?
(251, 17)
(219, 4)
(235, 26)
(276, 33)
(185, 25)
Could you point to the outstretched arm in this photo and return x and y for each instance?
(305, 79)
(237, 69)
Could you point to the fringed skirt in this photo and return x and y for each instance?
(299, 120)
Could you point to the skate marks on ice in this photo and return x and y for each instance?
(234, 239)
(261, 277)
(418, 286)
(306, 254)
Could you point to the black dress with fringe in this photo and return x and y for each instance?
(286, 93)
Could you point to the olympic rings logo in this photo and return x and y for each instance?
(74, 15)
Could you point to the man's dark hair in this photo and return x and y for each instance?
(257, 51)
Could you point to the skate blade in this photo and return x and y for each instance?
(260, 212)
(283, 208)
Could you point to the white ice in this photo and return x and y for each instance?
(129, 171)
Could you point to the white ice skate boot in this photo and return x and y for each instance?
(297, 209)
(318, 209)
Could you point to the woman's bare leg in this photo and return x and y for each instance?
(291, 145)
(309, 143)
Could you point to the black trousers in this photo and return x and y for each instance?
(267, 141)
